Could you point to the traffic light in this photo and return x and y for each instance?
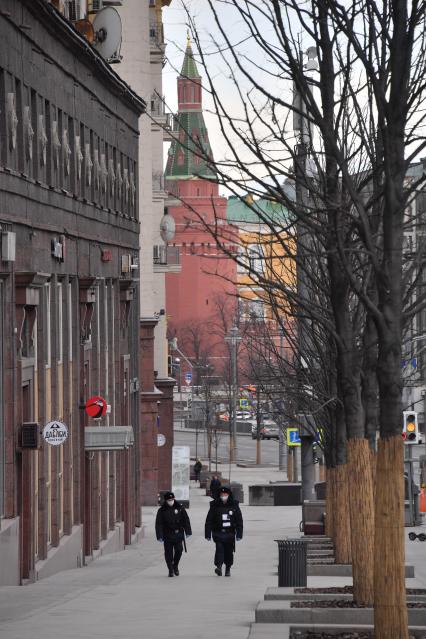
(410, 428)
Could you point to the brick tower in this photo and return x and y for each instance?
(207, 277)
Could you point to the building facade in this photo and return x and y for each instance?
(143, 51)
(69, 299)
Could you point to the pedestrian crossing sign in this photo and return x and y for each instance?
(293, 437)
(244, 403)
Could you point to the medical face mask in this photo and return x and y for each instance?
(224, 498)
(170, 502)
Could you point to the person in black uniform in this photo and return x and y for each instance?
(215, 486)
(225, 522)
(197, 469)
(171, 525)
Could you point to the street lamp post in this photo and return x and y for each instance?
(174, 347)
(302, 126)
(233, 339)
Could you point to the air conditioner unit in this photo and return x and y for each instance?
(126, 263)
(30, 436)
(73, 10)
(8, 246)
(95, 5)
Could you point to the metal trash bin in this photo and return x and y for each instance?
(292, 570)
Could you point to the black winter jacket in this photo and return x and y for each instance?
(220, 514)
(171, 522)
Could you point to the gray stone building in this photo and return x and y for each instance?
(69, 298)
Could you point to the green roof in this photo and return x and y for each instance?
(239, 211)
(189, 68)
(183, 160)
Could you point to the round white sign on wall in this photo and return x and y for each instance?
(55, 433)
(161, 440)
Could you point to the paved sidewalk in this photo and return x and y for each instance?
(128, 595)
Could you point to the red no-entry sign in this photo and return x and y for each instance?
(96, 407)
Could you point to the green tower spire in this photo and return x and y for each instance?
(191, 146)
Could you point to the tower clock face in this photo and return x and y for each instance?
(167, 228)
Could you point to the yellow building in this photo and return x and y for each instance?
(266, 270)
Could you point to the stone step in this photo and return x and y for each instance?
(283, 630)
(343, 570)
(289, 594)
(320, 547)
(281, 612)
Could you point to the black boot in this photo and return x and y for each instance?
(176, 570)
(170, 567)
(228, 571)
(218, 571)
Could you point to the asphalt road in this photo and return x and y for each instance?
(246, 447)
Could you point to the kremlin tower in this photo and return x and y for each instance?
(207, 275)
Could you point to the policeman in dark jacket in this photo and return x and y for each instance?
(197, 469)
(215, 486)
(225, 522)
(171, 525)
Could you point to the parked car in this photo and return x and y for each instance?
(271, 431)
(268, 430)
(243, 414)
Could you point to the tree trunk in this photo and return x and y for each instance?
(390, 608)
(258, 450)
(373, 464)
(342, 528)
(330, 502)
(362, 519)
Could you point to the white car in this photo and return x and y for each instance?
(243, 414)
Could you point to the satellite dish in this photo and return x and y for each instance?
(107, 26)
(167, 227)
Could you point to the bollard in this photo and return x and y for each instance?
(292, 562)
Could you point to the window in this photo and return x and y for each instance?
(242, 261)
(251, 310)
(59, 325)
(256, 310)
(47, 332)
(70, 323)
(255, 257)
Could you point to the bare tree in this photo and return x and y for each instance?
(365, 127)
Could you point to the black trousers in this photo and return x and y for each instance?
(224, 549)
(173, 551)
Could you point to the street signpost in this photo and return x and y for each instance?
(188, 378)
(96, 407)
(293, 437)
(55, 433)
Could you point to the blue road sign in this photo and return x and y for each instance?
(293, 437)
(188, 377)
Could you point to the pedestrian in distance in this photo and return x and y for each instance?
(197, 470)
(171, 526)
(225, 523)
(215, 485)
